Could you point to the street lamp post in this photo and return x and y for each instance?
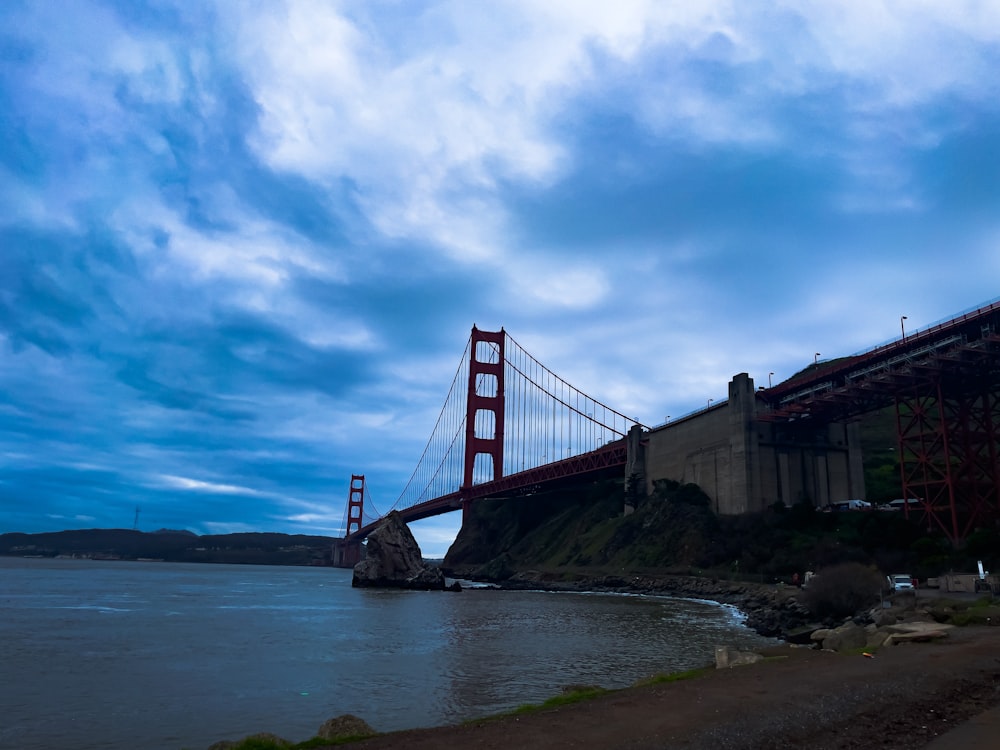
(816, 359)
(902, 329)
(769, 379)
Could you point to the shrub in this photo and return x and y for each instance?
(842, 590)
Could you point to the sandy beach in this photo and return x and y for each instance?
(904, 697)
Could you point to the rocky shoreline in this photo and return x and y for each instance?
(771, 611)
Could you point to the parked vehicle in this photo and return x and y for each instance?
(851, 505)
(900, 582)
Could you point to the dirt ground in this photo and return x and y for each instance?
(902, 698)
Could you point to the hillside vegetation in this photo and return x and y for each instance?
(582, 530)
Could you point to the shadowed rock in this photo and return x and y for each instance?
(344, 726)
(393, 560)
(261, 739)
(727, 657)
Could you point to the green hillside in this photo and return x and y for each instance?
(582, 531)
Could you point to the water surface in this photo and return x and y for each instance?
(118, 655)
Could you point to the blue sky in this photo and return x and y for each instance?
(242, 244)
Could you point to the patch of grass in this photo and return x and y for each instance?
(570, 696)
(266, 743)
(661, 679)
(977, 615)
(984, 601)
(320, 742)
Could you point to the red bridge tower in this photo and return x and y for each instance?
(485, 398)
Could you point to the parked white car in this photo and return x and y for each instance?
(900, 582)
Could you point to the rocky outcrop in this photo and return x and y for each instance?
(393, 560)
(345, 726)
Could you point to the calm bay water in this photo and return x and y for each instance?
(121, 655)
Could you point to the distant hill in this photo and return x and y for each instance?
(172, 545)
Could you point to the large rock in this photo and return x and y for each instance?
(845, 638)
(342, 727)
(727, 657)
(393, 560)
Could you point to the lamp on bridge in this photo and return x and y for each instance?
(769, 379)
(902, 330)
(816, 359)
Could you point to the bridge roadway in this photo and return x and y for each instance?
(608, 460)
(963, 347)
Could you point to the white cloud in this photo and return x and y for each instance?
(427, 115)
(542, 283)
(197, 485)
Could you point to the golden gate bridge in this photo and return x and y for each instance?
(507, 425)
(510, 426)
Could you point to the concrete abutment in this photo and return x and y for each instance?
(745, 463)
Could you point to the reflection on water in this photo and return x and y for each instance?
(176, 655)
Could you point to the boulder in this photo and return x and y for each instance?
(918, 631)
(344, 726)
(727, 656)
(393, 560)
(845, 638)
(804, 634)
(820, 634)
(877, 640)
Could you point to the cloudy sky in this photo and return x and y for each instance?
(242, 245)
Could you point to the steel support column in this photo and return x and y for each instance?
(948, 445)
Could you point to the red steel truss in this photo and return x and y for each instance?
(945, 386)
(948, 440)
